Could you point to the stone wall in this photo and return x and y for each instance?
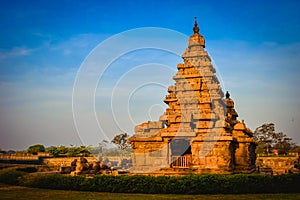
(56, 163)
(278, 164)
(17, 157)
(20, 159)
(59, 162)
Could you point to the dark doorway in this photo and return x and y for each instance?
(180, 147)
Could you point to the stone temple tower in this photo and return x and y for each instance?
(199, 131)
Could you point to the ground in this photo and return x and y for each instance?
(20, 193)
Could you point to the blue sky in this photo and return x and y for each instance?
(255, 46)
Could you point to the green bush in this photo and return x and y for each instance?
(191, 184)
(52, 181)
(287, 183)
(11, 176)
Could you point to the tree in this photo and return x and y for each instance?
(81, 150)
(102, 145)
(62, 149)
(36, 148)
(2, 151)
(121, 141)
(268, 139)
(296, 149)
(11, 152)
(53, 150)
(69, 151)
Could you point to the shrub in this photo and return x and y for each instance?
(191, 184)
(11, 176)
(53, 181)
(287, 183)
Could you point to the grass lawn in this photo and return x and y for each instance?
(18, 192)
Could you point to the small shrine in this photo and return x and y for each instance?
(199, 132)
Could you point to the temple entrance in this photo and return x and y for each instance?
(180, 147)
(181, 154)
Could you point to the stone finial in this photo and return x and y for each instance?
(227, 95)
(196, 38)
(196, 28)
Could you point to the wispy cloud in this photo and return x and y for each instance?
(263, 80)
(78, 44)
(15, 52)
(255, 74)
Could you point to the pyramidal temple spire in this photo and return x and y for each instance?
(199, 131)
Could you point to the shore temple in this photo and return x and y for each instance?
(199, 132)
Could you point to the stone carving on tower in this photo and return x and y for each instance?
(199, 131)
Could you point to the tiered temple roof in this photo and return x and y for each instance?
(199, 130)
